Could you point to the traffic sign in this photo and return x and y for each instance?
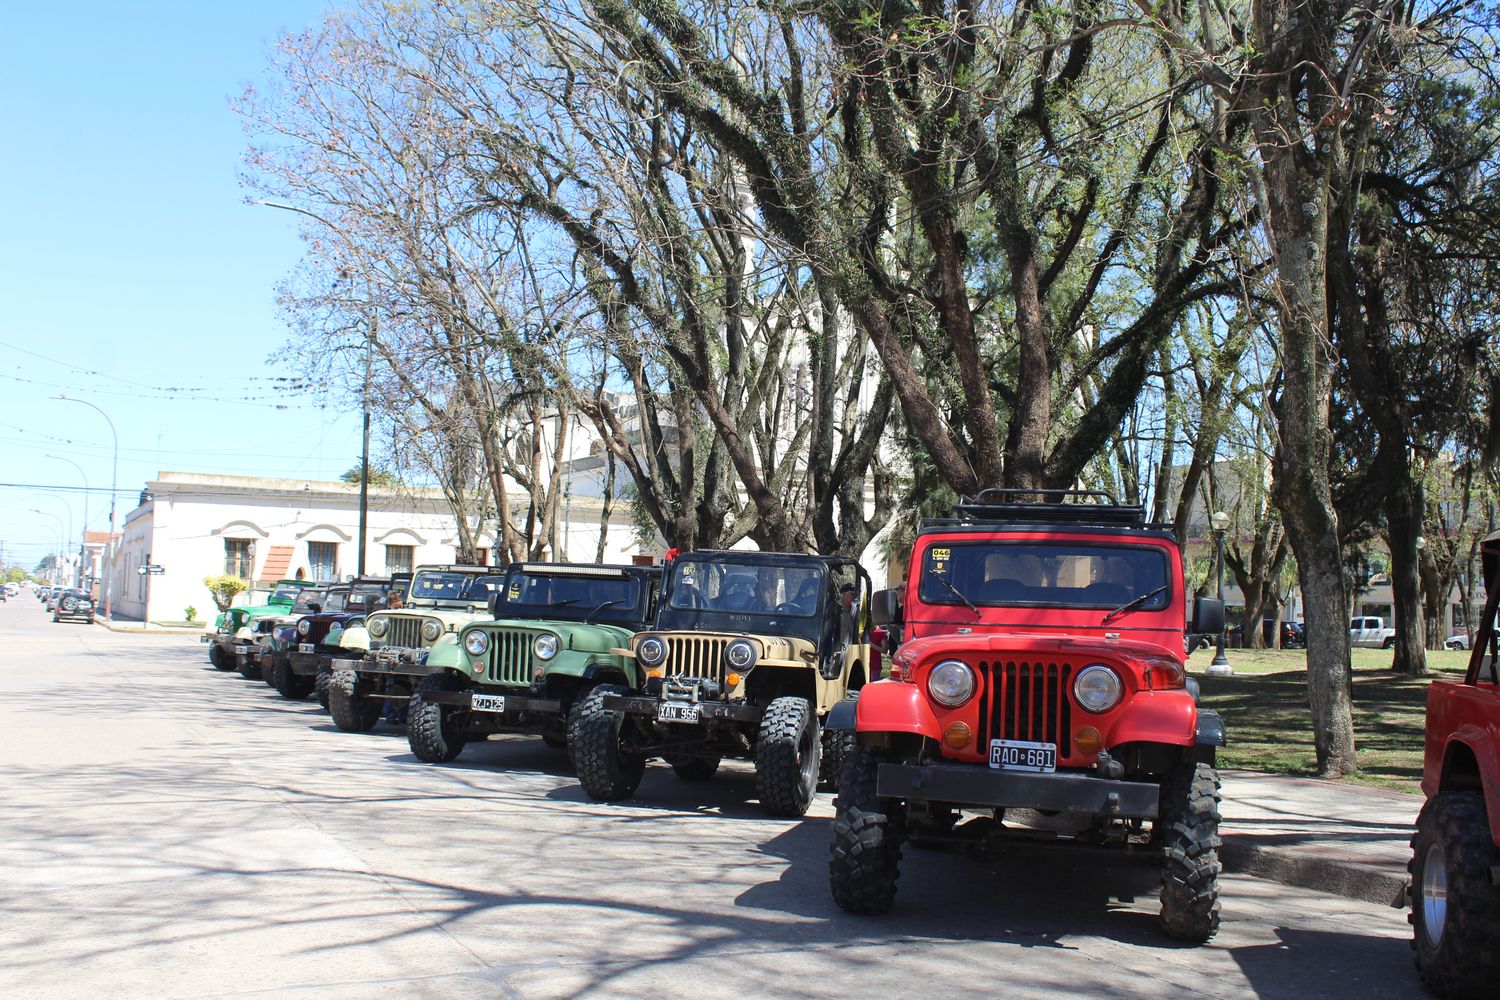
(151, 569)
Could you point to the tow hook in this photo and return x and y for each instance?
(1108, 767)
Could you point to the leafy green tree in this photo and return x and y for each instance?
(224, 588)
(379, 476)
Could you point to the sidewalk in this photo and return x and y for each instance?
(138, 627)
(1346, 840)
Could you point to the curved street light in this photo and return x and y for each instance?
(114, 481)
(364, 451)
(60, 528)
(83, 548)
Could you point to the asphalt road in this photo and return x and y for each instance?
(170, 831)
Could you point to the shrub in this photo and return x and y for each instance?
(190, 613)
(223, 589)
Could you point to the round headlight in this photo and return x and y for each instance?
(740, 654)
(378, 627)
(545, 646)
(951, 683)
(304, 627)
(651, 651)
(1098, 688)
(476, 643)
(431, 629)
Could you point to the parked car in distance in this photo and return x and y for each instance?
(1458, 640)
(1371, 633)
(1455, 864)
(1293, 636)
(75, 606)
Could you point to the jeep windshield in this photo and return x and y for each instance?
(447, 587)
(782, 594)
(1031, 574)
(579, 596)
(324, 600)
(285, 595)
(362, 599)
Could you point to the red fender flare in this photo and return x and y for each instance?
(889, 706)
(1169, 717)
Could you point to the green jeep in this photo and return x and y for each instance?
(557, 632)
(408, 643)
(232, 636)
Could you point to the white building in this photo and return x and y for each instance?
(195, 526)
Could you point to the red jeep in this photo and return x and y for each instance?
(1455, 866)
(1039, 668)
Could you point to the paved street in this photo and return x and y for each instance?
(170, 831)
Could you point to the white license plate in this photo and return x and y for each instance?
(242, 650)
(1019, 755)
(671, 711)
(307, 647)
(487, 702)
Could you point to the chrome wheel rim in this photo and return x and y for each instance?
(1434, 894)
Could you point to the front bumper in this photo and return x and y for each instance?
(976, 785)
(732, 711)
(389, 660)
(514, 703)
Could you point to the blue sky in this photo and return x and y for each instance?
(132, 273)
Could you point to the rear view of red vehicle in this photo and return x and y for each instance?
(1455, 866)
(1039, 672)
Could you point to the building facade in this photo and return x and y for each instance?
(195, 526)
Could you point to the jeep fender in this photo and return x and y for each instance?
(1482, 750)
(607, 669)
(445, 655)
(1167, 717)
(843, 715)
(894, 707)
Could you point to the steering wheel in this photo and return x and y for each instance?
(788, 608)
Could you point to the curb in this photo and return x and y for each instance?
(1305, 870)
(125, 629)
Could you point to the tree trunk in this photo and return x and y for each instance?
(1403, 515)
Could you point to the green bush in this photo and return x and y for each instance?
(190, 613)
(223, 589)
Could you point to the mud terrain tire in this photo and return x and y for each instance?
(292, 686)
(1189, 819)
(606, 773)
(867, 837)
(1455, 907)
(349, 703)
(435, 732)
(787, 752)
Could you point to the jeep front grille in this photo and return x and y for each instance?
(405, 630)
(510, 657)
(690, 656)
(317, 630)
(1027, 701)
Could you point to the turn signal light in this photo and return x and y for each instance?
(732, 680)
(654, 672)
(1088, 740)
(957, 735)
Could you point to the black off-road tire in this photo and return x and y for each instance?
(867, 836)
(1189, 822)
(694, 768)
(1457, 943)
(837, 745)
(787, 751)
(250, 670)
(435, 732)
(1388, 644)
(268, 674)
(606, 773)
(220, 659)
(349, 703)
(292, 686)
(320, 687)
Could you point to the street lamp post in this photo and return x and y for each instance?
(82, 546)
(364, 452)
(1220, 521)
(114, 481)
(62, 549)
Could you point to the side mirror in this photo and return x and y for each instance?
(1208, 616)
(496, 599)
(885, 607)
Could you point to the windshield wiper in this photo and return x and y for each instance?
(955, 592)
(563, 603)
(601, 608)
(1132, 604)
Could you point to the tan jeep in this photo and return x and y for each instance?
(749, 653)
